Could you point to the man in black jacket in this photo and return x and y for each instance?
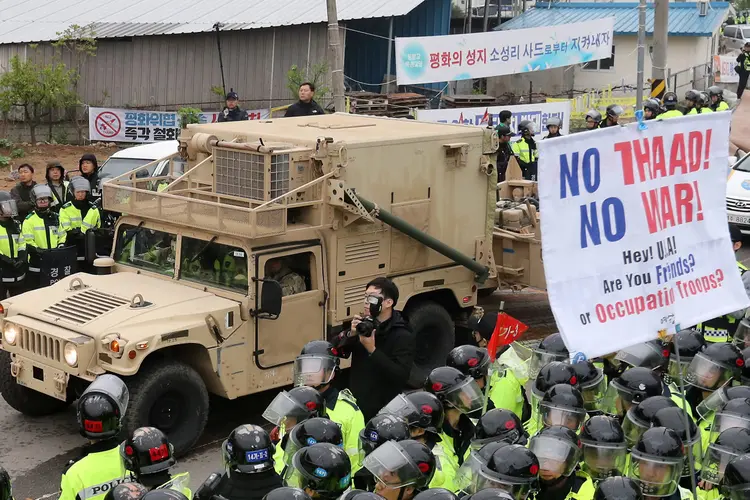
(504, 152)
(382, 361)
(306, 105)
(21, 192)
(232, 112)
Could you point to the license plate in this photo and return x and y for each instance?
(47, 375)
(739, 219)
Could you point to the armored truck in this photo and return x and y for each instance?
(195, 299)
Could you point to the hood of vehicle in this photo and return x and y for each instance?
(107, 303)
(738, 185)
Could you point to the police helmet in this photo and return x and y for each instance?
(323, 468)
(652, 106)
(554, 446)
(504, 130)
(675, 418)
(126, 491)
(41, 191)
(6, 492)
(630, 388)
(490, 494)
(360, 495)
(670, 100)
(420, 409)
(79, 183)
(498, 424)
(164, 494)
(248, 450)
(454, 389)
(715, 366)
(734, 413)
(294, 406)
(311, 431)
(604, 447)
(736, 481)
(553, 373)
(562, 405)
(591, 382)
(316, 365)
(8, 207)
(551, 348)
(470, 360)
(638, 418)
(689, 343)
(381, 428)
(287, 493)
(102, 407)
(614, 110)
(595, 115)
(729, 444)
(618, 488)
(715, 91)
(703, 99)
(513, 468)
(738, 391)
(652, 355)
(436, 494)
(554, 121)
(402, 464)
(526, 126)
(146, 452)
(692, 95)
(657, 447)
(717, 399)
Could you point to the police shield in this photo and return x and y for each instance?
(57, 264)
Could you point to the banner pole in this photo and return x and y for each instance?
(681, 379)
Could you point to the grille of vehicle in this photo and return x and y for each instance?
(244, 174)
(40, 344)
(353, 295)
(738, 205)
(85, 306)
(360, 252)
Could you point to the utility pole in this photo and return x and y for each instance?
(641, 54)
(336, 57)
(659, 59)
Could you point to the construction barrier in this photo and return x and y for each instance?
(599, 100)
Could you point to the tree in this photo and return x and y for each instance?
(316, 75)
(36, 89)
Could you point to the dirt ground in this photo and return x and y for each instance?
(38, 156)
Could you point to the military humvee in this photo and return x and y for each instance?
(188, 304)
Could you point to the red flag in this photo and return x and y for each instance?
(507, 329)
(486, 116)
(461, 118)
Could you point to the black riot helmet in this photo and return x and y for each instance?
(618, 488)
(562, 405)
(147, 452)
(287, 493)
(469, 472)
(604, 447)
(670, 100)
(164, 494)
(360, 495)
(734, 413)
(675, 418)
(729, 444)
(323, 468)
(402, 464)
(738, 392)
(381, 428)
(312, 431)
(716, 365)
(498, 424)
(692, 95)
(736, 482)
(614, 111)
(316, 365)
(652, 106)
(102, 407)
(6, 492)
(557, 448)
(291, 407)
(689, 343)
(490, 494)
(652, 355)
(126, 491)
(638, 418)
(551, 374)
(591, 382)
(248, 450)
(513, 468)
(551, 348)
(717, 399)
(661, 448)
(630, 388)
(420, 409)
(470, 360)
(455, 390)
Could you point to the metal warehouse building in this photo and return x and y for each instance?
(155, 53)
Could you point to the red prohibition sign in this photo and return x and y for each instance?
(108, 124)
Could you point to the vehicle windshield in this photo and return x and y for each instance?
(743, 165)
(146, 249)
(118, 166)
(214, 264)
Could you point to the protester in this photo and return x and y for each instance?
(306, 105)
(22, 191)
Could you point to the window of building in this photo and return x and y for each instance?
(601, 64)
(214, 264)
(146, 249)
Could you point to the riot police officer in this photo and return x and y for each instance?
(558, 452)
(651, 109)
(551, 374)
(630, 388)
(79, 215)
(41, 231)
(322, 470)
(311, 431)
(689, 343)
(526, 151)
(12, 248)
(126, 491)
(316, 367)
(467, 476)
(553, 127)
(551, 348)
(291, 407)
(381, 428)
(675, 418)
(638, 417)
(652, 355)
(562, 405)
(402, 469)
(592, 383)
(287, 493)
(656, 462)
(736, 478)
(422, 411)
(618, 488)
(593, 119)
(513, 468)
(717, 98)
(6, 491)
(612, 116)
(498, 425)
(100, 411)
(701, 104)
(730, 443)
(149, 456)
(716, 365)
(691, 99)
(670, 105)
(248, 467)
(604, 447)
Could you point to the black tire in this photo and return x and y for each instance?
(172, 397)
(435, 335)
(22, 399)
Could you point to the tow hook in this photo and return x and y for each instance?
(15, 368)
(61, 382)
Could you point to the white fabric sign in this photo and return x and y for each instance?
(428, 59)
(724, 69)
(635, 237)
(537, 113)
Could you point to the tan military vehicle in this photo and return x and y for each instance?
(220, 275)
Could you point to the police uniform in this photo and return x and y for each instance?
(720, 329)
(506, 391)
(13, 271)
(453, 449)
(672, 113)
(703, 110)
(527, 156)
(93, 476)
(445, 469)
(342, 409)
(41, 233)
(578, 485)
(720, 106)
(72, 218)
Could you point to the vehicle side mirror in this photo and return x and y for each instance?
(270, 300)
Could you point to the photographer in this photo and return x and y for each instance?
(382, 348)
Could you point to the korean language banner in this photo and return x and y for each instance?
(537, 113)
(133, 125)
(430, 59)
(724, 69)
(635, 238)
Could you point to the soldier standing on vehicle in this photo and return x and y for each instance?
(232, 112)
(79, 215)
(13, 257)
(291, 282)
(148, 456)
(101, 409)
(41, 231)
(306, 106)
(21, 192)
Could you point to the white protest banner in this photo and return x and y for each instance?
(537, 113)
(428, 59)
(252, 114)
(635, 237)
(724, 69)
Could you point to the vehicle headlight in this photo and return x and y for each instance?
(70, 353)
(10, 334)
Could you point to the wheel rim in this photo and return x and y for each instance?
(166, 414)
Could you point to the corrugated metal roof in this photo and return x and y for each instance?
(684, 18)
(41, 20)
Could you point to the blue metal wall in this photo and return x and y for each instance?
(365, 58)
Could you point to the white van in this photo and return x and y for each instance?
(131, 158)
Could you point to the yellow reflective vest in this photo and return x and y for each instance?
(93, 476)
(70, 218)
(672, 113)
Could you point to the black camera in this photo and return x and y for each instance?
(370, 323)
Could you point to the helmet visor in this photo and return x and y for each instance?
(557, 457)
(616, 110)
(113, 388)
(467, 474)
(390, 465)
(318, 480)
(550, 415)
(657, 477)
(618, 399)
(282, 407)
(715, 462)
(513, 436)
(633, 428)
(593, 392)
(539, 358)
(706, 374)
(742, 336)
(714, 402)
(603, 460)
(646, 355)
(8, 208)
(520, 488)
(400, 406)
(677, 370)
(313, 371)
(465, 397)
(724, 421)
(178, 483)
